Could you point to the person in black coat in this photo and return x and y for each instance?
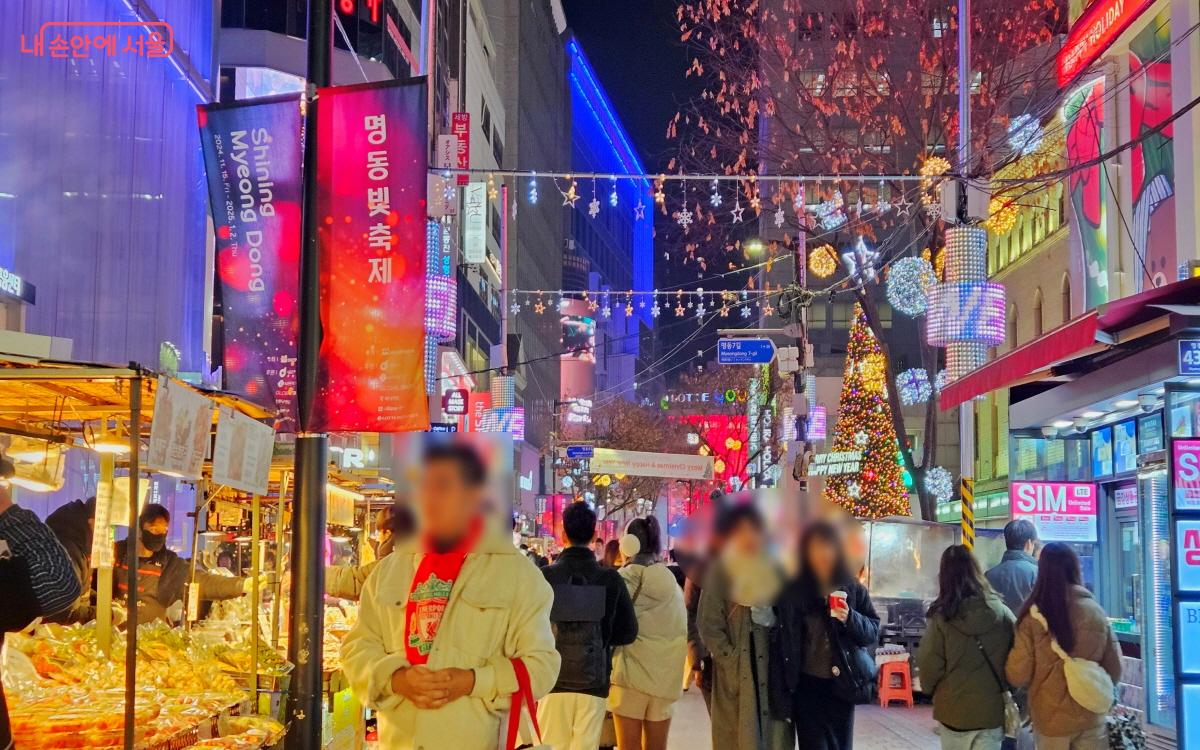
(826, 624)
(573, 714)
(73, 525)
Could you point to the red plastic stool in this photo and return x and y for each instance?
(895, 683)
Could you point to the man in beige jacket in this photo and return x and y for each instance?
(442, 617)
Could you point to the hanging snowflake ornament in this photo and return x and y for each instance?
(700, 310)
(913, 386)
(779, 217)
(745, 311)
(594, 207)
(860, 261)
(881, 204)
(533, 190)
(683, 217)
(655, 310)
(908, 284)
(612, 196)
(606, 312)
(939, 482)
(515, 308)
(714, 199)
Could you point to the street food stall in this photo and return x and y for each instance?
(81, 685)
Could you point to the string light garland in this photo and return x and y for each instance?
(908, 283)
(877, 490)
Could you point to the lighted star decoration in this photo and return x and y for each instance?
(853, 490)
(768, 310)
(861, 438)
(756, 203)
(684, 217)
(493, 193)
(679, 311)
(593, 305)
(639, 211)
(724, 311)
(737, 212)
(539, 308)
(779, 217)
(628, 310)
(903, 206)
(659, 196)
(594, 207)
(570, 196)
(860, 261)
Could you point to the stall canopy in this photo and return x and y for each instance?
(1109, 325)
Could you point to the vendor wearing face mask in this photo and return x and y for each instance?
(163, 575)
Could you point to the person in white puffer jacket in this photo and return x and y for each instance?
(645, 676)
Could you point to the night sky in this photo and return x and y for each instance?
(634, 47)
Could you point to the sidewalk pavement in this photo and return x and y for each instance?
(875, 728)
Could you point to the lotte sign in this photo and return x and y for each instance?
(1093, 32)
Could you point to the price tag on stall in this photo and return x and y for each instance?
(193, 601)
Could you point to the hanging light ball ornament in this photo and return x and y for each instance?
(822, 261)
(908, 284)
(913, 386)
(939, 482)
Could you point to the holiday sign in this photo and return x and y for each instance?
(1186, 480)
(1093, 32)
(1061, 511)
(371, 167)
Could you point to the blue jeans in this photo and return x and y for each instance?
(975, 739)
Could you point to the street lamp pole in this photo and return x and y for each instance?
(966, 412)
(307, 612)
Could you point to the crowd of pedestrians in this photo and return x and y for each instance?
(1024, 647)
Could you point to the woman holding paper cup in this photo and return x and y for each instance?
(820, 666)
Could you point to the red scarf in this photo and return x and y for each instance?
(430, 593)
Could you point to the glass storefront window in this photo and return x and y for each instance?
(1051, 459)
(1183, 414)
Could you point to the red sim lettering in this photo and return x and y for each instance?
(1191, 546)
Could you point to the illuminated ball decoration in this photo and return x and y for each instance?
(822, 261)
(939, 482)
(913, 386)
(908, 284)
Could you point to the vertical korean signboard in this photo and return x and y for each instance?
(371, 197)
(252, 157)
(460, 128)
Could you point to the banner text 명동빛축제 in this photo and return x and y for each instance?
(371, 200)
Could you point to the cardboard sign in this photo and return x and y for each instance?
(179, 434)
(1061, 511)
(1186, 470)
(242, 453)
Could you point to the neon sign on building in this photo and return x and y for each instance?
(1093, 32)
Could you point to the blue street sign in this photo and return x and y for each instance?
(1189, 357)
(580, 451)
(745, 351)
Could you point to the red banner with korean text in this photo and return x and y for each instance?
(371, 176)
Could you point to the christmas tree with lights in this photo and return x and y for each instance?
(864, 426)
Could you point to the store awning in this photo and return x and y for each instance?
(1099, 329)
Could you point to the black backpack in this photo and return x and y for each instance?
(576, 617)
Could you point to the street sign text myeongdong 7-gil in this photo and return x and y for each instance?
(745, 351)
